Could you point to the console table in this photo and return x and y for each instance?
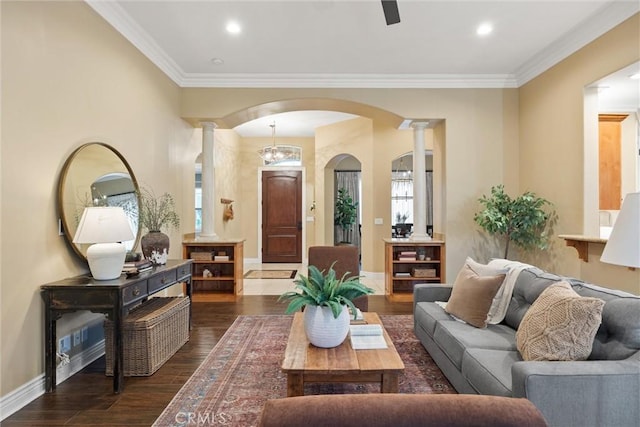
(114, 298)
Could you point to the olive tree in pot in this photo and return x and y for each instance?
(157, 213)
(326, 300)
(345, 215)
(522, 221)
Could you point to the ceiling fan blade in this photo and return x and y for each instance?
(391, 13)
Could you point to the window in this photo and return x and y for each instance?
(402, 190)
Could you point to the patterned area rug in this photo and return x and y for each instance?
(243, 370)
(270, 274)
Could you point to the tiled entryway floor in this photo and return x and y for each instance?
(278, 286)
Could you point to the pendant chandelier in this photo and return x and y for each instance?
(402, 173)
(274, 154)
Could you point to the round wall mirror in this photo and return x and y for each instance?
(96, 174)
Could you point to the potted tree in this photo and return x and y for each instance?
(523, 220)
(326, 300)
(345, 214)
(156, 213)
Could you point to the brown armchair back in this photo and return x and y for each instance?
(347, 259)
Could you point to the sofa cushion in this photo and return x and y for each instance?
(427, 314)
(560, 325)
(472, 296)
(489, 371)
(529, 285)
(455, 337)
(618, 336)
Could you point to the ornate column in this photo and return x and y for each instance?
(208, 182)
(419, 183)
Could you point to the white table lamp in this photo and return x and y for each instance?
(105, 227)
(623, 246)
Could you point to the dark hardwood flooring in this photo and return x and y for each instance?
(87, 398)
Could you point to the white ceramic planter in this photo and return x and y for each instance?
(322, 329)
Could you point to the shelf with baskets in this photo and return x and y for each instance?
(217, 264)
(408, 263)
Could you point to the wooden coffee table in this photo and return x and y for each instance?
(306, 363)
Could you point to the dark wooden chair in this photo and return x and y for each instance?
(347, 259)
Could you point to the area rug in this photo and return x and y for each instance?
(270, 274)
(243, 371)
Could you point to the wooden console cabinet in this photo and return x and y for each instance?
(115, 298)
(224, 275)
(409, 262)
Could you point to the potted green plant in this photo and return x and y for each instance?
(346, 212)
(156, 214)
(326, 300)
(523, 220)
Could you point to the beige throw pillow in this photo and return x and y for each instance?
(472, 295)
(559, 325)
(484, 269)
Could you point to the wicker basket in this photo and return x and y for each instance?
(423, 272)
(201, 256)
(151, 334)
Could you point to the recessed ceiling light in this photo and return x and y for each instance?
(484, 29)
(635, 76)
(233, 27)
(217, 61)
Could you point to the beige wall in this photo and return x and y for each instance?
(478, 150)
(68, 78)
(552, 147)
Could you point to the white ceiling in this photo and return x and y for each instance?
(343, 43)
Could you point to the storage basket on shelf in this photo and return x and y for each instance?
(423, 272)
(151, 334)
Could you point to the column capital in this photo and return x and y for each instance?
(419, 124)
(208, 125)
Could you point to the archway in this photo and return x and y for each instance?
(374, 137)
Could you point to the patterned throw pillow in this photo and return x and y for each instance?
(472, 295)
(559, 325)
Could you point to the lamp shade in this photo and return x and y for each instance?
(107, 224)
(623, 246)
(105, 227)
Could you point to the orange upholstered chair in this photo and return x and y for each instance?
(346, 258)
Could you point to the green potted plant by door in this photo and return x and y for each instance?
(346, 213)
(525, 221)
(327, 300)
(156, 214)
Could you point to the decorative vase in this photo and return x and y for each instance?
(324, 330)
(155, 247)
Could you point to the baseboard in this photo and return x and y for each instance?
(30, 391)
(79, 361)
(373, 275)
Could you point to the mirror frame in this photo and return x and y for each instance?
(64, 218)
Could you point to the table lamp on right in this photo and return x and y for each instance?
(623, 246)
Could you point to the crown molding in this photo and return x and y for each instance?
(122, 22)
(364, 81)
(601, 22)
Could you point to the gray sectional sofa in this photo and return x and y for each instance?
(603, 390)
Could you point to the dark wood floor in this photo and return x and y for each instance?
(87, 399)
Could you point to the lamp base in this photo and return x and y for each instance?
(106, 260)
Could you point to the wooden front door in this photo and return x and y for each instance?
(282, 216)
(610, 160)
